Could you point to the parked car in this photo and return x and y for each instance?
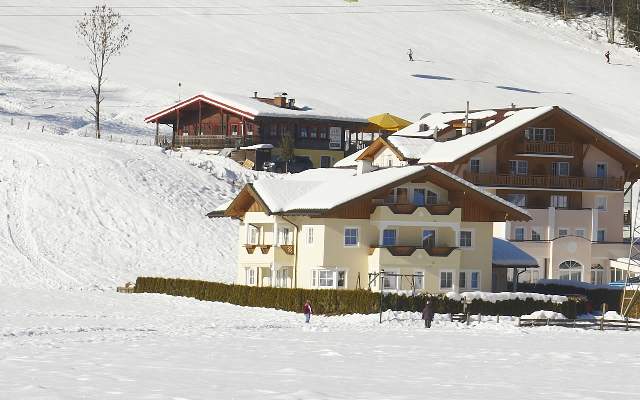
(298, 164)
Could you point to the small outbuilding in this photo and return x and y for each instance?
(507, 255)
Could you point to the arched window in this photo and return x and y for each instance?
(571, 270)
(597, 274)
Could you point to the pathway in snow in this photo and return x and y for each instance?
(76, 212)
(62, 345)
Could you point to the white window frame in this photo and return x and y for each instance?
(282, 277)
(598, 270)
(556, 166)
(449, 271)
(472, 239)
(515, 233)
(604, 237)
(286, 239)
(553, 201)
(478, 282)
(595, 203)
(518, 170)
(572, 271)
(250, 276)
(309, 235)
(424, 196)
(567, 230)
(420, 280)
(584, 232)
(430, 194)
(396, 279)
(344, 237)
(396, 237)
(250, 230)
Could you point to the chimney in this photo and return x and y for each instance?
(465, 129)
(255, 95)
(363, 166)
(280, 100)
(435, 133)
(292, 103)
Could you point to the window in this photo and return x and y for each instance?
(325, 162)
(390, 280)
(303, 133)
(351, 237)
(389, 237)
(313, 132)
(617, 274)
(250, 277)
(474, 165)
(518, 167)
(446, 279)
(418, 280)
(519, 234)
(540, 134)
(249, 129)
(398, 196)
(549, 135)
(285, 236)
(560, 168)
(601, 203)
(428, 238)
(475, 280)
(601, 170)
(601, 235)
(281, 278)
(273, 130)
(559, 201)
(517, 199)
(419, 197)
(432, 197)
(322, 133)
(570, 270)
(462, 280)
(325, 278)
(253, 235)
(563, 232)
(341, 280)
(535, 235)
(309, 235)
(580, 232)
(597, 274)
(235, 129)
(465, 239)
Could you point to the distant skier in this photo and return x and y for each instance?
(607, 56)
(410, 54)
(307, 311)
(427, 314)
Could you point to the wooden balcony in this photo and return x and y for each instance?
(546, 181)
(565, 149)
(213, 141)
(405, 251)
(407, 208)
(288, 249)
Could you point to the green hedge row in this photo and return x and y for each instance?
(337, 302)
(597, 296)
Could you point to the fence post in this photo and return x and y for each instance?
(28, 125)
(626, 320)
(498, 320)
(547, 321)
(604, 311)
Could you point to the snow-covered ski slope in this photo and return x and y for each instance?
(349, 54)
(78, 213)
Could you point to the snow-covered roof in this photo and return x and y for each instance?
(451, 150)
(411, 147)
(262, 146)
(507, 254)
(252, 107)
(350, 160)
(441, 121)
(327, 188)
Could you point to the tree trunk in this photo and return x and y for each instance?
(98, 109)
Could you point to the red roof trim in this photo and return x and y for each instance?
(201, 97)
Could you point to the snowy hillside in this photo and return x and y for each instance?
(78, 213)
(349, 54)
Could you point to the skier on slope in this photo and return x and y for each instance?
(410, 54)
(307, 311)
(607, 55)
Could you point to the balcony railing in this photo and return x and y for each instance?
(548, 148)
(546, 181)
(266, 248)
(410, 208)
(213, 141)
(404, 251)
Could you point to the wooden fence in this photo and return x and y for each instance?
(595, 323)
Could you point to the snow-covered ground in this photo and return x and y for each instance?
(79, 213)
(71, 345)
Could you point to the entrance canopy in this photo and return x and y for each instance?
(508, 255)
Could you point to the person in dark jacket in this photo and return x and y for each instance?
(607, 55)
(427, 314)
(307, 311)
(410, 54)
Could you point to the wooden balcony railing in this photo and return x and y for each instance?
(404, 251)
(409, 208)
(548, 148)
(546, 181)
(264, 248)
(213, 141)
(287, 248)
(250, 248)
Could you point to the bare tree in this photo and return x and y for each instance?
(105, 34)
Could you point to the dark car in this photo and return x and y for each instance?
(298, 164)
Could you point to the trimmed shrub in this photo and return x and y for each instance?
(597, 297)
(338, 302)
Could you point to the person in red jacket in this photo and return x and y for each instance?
(307, 311)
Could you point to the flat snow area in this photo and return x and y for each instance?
(71, 345)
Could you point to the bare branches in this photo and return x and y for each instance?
(104, 34)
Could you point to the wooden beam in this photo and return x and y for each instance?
(199, 117)
(175, 131)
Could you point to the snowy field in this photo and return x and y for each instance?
(70, 345)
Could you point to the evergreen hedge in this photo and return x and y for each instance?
(337, 302)
(596, 297)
